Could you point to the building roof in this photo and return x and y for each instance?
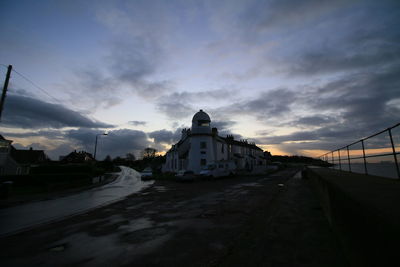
(28, 156)
(80, 156)
(229, 140)
(201, 116)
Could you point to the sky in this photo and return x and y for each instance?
(295, 77)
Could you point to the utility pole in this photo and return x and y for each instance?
(3, 95)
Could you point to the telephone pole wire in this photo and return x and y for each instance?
(3, 95)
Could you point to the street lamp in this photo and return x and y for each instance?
(95, 144)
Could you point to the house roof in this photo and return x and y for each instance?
(28, 156)
(78, 156)
(229, 140)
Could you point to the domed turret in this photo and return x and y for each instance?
(201, 116)
(201, 122)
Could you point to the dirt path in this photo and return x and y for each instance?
(169, 224)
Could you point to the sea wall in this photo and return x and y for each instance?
(358, 210)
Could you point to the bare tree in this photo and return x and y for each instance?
(149, 152)
(130, 157)
(108, 158)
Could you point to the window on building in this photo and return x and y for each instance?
(203, 162)
(222, 148)
(203, 145)
(4, 146)
(203, 123)
(203, 152)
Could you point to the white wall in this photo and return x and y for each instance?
(195, 152)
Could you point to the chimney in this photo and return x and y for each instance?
(184, 133)
(214, 131)
(230, 137)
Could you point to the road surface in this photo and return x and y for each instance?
(240, 221)
(26, 216)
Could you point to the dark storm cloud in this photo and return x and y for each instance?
(116, 143)
(135, 54)
(186, 96)
(165, 136)
(321, 37)
(129, 66)
(359, 51)
(132, 62)
(137, 123)
(174, 109)
(363, 99)
(268, 105)
(54, 134)
(317, 120)
(176, 105)
(27, 112)
(266, 15)
(225, 128)
(222, 125)
(323, 134)
(362, 104)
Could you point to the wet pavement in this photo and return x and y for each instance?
(18, 218)
(204, 223)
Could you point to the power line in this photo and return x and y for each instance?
(37, 86)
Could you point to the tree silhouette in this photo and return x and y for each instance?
(149, 152)
(130, 157)
(108, 158)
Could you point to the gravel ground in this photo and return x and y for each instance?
(270, 220)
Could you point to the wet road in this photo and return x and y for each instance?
(26, 216)
(269, 220)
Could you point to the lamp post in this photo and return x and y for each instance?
(95, 144)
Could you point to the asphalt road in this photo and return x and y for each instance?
(18, 218)
(242, 221)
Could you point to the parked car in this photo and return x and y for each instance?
(146, 174)
(219, 169)
(185, 176)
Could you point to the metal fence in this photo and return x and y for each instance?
(360, 155)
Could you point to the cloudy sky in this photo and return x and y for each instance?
(296, 77)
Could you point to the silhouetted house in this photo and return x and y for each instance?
(201, 146)
(77, 157)
(267, 155)
(17, 161)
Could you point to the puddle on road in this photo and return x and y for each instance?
(265, 179)
(99, 250)
(297, 175)
(247, 184)
(160, 188)
(138, 206)
(58, 248)
(138, 224)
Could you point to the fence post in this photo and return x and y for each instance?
(348, 158)
(340, 162)
(394, 153)
(333, 162)
(365, 161)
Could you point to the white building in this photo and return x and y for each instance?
(201, 147)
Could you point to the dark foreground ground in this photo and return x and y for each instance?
(271, 220)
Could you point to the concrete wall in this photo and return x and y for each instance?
(195, 152)
(369, 236)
